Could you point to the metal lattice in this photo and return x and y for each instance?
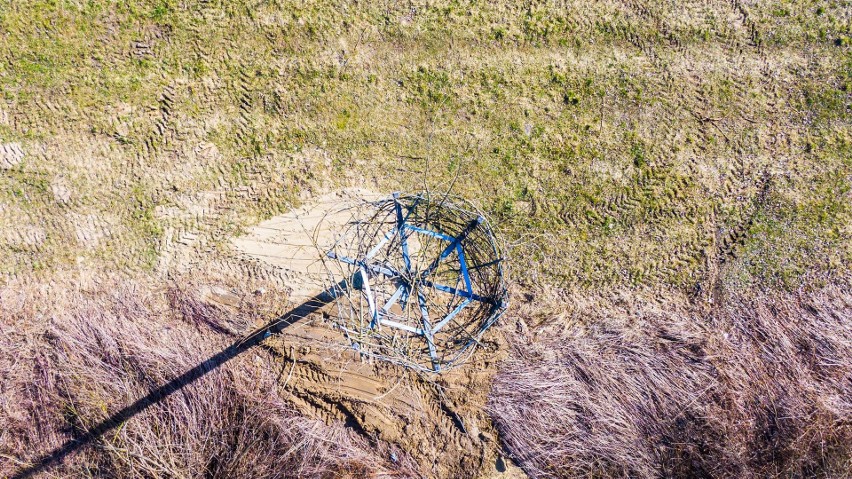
(417, 281)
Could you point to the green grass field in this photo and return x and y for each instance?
(616, 144)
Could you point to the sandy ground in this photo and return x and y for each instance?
(439, 420)
(298, 240)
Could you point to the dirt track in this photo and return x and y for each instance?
(437, 419)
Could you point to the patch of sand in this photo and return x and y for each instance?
(439, 420)
(298, 240)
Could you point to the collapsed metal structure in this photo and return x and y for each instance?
(417, 281)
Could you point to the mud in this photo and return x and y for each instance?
(438, 419)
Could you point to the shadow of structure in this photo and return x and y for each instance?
(56, 456)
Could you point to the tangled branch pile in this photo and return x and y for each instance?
(415, 260)
(762, 387)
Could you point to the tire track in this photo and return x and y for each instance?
(749, 25)
(245, 105)
(163, 129)
(735, 237)
(667, 32)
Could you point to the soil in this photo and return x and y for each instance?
(296, 241)
(438, 419)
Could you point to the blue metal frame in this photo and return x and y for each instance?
(379, 316)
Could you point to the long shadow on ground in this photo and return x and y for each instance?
(56, 456)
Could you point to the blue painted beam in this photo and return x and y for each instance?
(433, 234)
(385, 270)
(403, 238)
(450, 316)
(453, 245)
(463, 294)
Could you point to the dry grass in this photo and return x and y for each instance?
(66, 368)
(762, 387)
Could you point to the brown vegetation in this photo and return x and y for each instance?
(71, 357)
(760, 387)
